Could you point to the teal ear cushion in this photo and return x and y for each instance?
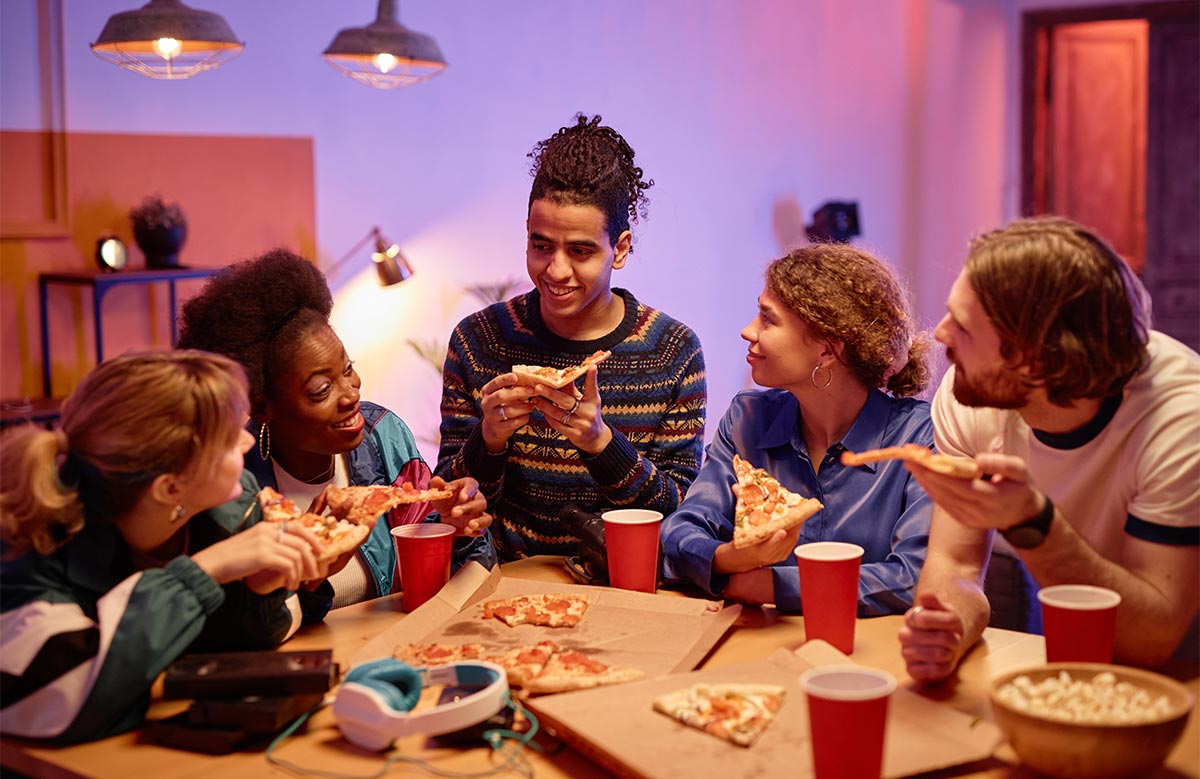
(399, 683)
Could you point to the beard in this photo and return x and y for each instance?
(999, 388)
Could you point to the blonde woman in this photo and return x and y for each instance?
(122, 548)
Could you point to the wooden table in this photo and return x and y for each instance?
(757, 633)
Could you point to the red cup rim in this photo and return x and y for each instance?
(885, 686)
(1104, 597)
(632, 516)
(424, 530)
(830, 551)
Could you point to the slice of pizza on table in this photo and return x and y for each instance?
(764, 506)
(552, 611)
(557, 378)
(958, 467)
(738, 713)
(573, 670)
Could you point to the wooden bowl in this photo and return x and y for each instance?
(1072, 750)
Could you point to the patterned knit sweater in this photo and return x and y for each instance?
(653, 394)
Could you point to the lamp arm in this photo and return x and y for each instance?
(373, 234)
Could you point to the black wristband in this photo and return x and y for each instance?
(1032, 532)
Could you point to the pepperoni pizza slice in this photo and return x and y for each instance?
(363, 503)
(573, 670)
(738, 713)
(552, 611)
(765, 506)
(959, 467)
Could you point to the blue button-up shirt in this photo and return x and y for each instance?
(878, 506)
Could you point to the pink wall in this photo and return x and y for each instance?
(739, 111)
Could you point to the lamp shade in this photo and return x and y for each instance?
(393, 268)
(385, 54)
(166, 39)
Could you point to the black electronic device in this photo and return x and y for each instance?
(590, 566)
(253, 713)
(179, 733)
(239, 674)
(472, 735)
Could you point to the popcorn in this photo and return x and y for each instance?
(1100, 701)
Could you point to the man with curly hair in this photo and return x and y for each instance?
(632, 437)
(1088, 426)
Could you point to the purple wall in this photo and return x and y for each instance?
(741, 112)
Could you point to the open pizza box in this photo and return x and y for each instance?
(657, 634)
(618, 729)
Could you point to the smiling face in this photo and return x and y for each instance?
(981, 375)
(570, 262)
(313, 408)
(782, 351)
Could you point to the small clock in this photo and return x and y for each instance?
(111, 254)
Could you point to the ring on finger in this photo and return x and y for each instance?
(567, 416)
(503, 418)
(574, 408)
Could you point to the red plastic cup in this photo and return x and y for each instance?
(829, 591)
(1079, 621)
(631, 543)
(423, 552)
(847, 716)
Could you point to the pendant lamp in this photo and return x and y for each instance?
(385, 54)
(166, 39)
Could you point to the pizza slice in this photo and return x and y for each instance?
(959, 467)
(363, 503)
(573, 670)
(765, 506)
(553, 611)
(422, 654)
(735, 712)
(556, 377)
(337, 536)
(524, 663)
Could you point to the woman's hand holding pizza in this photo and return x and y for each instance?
(466, 509)
(576, 416)
(506, 408)
(266, 556)
(996, 503)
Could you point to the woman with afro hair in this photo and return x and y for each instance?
(271, 314)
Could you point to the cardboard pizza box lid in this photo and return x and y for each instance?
(658, 634)
(618, 728)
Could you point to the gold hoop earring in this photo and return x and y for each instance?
(264, 441)
(177, 513)
(813, 377)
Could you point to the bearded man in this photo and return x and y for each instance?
(1086, 424)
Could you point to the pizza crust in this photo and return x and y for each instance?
(532, 375)
(958, 467)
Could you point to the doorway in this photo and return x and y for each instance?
(1111, 139)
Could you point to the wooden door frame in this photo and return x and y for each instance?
(1036, 27)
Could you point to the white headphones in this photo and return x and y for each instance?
(373, 704)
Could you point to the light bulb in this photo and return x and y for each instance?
(167, 47)
(385, 62)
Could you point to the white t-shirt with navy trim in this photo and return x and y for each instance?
(1136, 474)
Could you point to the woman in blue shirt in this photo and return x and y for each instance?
(833, 331)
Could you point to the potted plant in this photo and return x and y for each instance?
(160, 230)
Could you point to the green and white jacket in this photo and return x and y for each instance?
(83, 635)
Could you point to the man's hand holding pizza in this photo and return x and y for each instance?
(1005, 499)
(576, 415)
(506, 407)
